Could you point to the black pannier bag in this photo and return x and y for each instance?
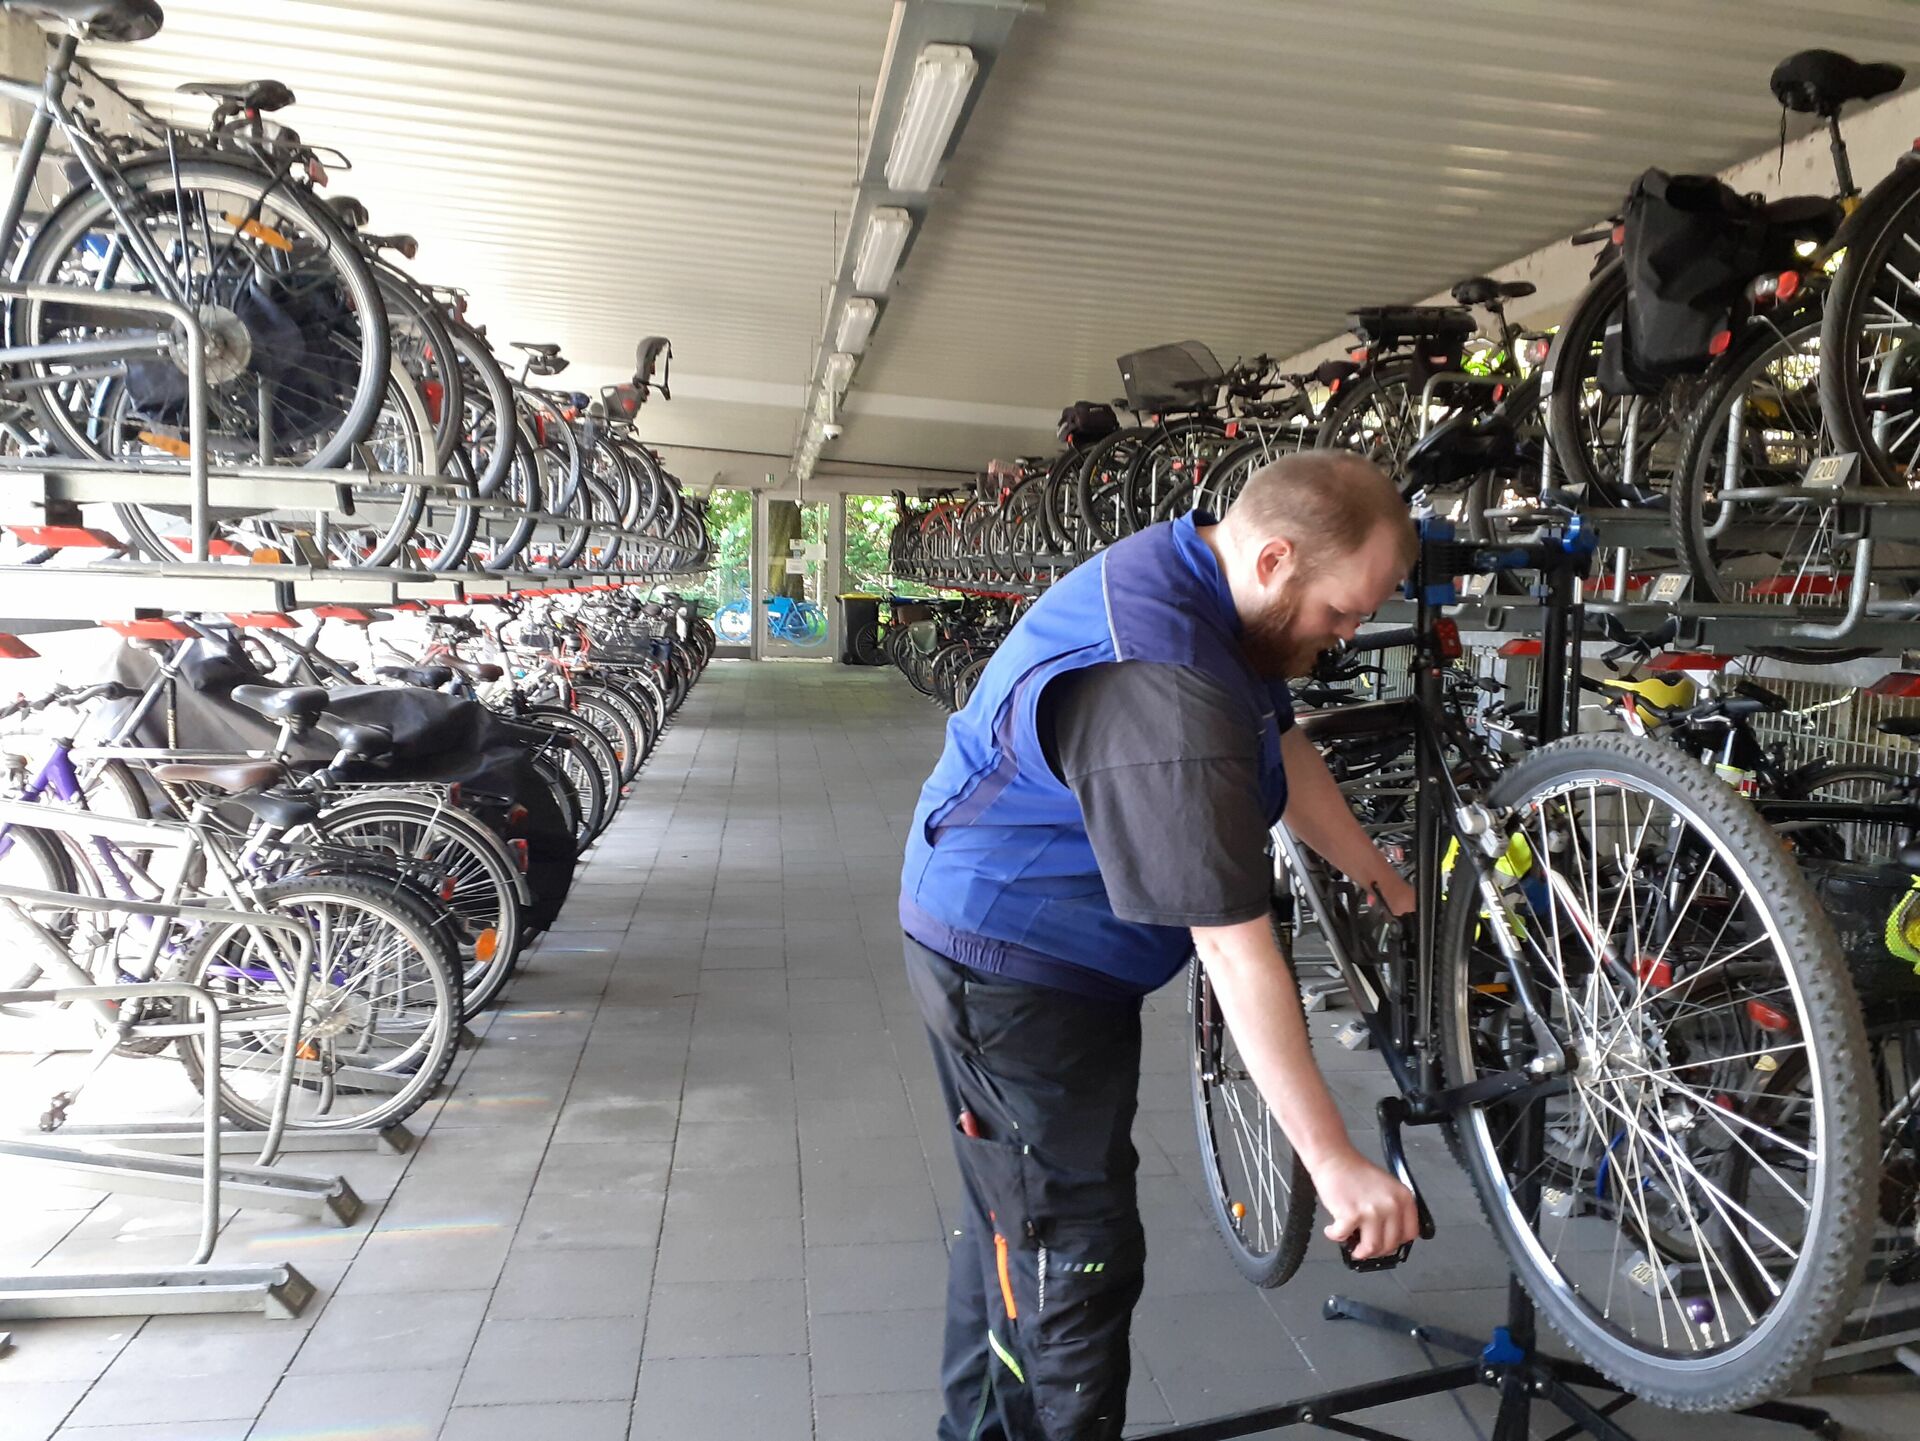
(1086, 421)
(1692, 243)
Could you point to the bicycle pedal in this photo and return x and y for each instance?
(1374, 1263)
(1355, 1035)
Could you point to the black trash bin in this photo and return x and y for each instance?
(860, 630)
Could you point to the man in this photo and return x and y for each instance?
(1100, 812)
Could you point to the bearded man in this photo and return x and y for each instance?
(1102, 811)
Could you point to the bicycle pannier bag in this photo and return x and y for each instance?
(1086, 421)
(1691, 244)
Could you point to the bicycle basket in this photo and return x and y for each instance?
(1181, 376)
(1864, 901)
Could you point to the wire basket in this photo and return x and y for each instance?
(1181, 376)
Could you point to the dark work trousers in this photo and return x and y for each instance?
(1047, 1266)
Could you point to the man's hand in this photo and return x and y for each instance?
(1399, 896)
(1367, 1205)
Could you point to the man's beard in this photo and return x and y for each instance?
(1273, 648)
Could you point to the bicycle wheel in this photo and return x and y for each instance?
(479, 885)
(37, 861)
(604, 716)
(1378, 417)
(1759, 424)
(380, 1027)
(296, 333)
(1693, 1229)
(1258, 1190)
(634, 714)
(1870, 339)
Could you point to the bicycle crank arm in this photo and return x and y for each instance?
(1393, 1112)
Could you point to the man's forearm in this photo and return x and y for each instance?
(1261, 1003)
(1318, 814)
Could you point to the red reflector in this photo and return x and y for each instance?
(447, 888)
(1619, 235)
(1767, 1018)
(1515, 648)
(1233, 430)
(14, 648)
(216, 547)
(1656, 973)
(149, 629)
(540, 427)
(1446, 640)
(519, 849)
(65, 537)
(1721, 340)
(1902, 683)
(516, 814)
(1358, 357)
(453, 794)
(436, 395)
(1689, 660)
(260, 620)
(1802, 585)
(1787, 286)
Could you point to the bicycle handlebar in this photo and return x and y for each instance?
(68, 695)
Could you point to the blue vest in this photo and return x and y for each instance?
(999, 873)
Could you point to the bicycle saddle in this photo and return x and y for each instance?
(536, 347)
(480, 670)
(230, 778)
(1905, 726)
(265, 96)
(300, 704)
(1657, 691)
(348, 211)
(1484, 290)
(1819, 82)
(365, 741)
(1363, 721)
(123, 21)
(1335, 372)
(1461, 447)
(407, 246)
(432, 677)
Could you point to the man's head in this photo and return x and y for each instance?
(1314, 545)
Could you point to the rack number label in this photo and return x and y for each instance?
(1669, 586)
(1831, 472)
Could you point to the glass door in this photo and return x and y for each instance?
(796, 610)
(726, 591)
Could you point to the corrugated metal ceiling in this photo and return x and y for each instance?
(1135, 171)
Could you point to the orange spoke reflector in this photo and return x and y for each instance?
(268, 555)
(308, 1052)
(172, 444)
(486, 945)
(265, 234)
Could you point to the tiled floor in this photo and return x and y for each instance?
(694, 1183)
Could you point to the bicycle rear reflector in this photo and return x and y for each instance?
(1446, 640)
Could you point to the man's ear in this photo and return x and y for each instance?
(1277, 557)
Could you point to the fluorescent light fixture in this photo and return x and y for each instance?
(943, 77)
(856, 324)
(880, 247)
(838, 372)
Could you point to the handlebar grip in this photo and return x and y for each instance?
(1383, 640)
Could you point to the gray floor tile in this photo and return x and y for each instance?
(382, 1403)
(567, 1283)
(845, 1215)
(902, 1276)
(36, 1408)
(713, 1318)
(722, 1399)
(569, 1360)
(868, 1352)
(876, 1418)
(161, 1431)
(563, 1421)
(417, 1331)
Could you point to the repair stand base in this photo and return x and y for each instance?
(1521, 1375)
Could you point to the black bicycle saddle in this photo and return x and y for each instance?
(348, 211)
(123, 21)
(265, 96)
(1819, 82)
(365, 741)
(299, 704)
(432, 677)
(1461, 447)
(1484, 290)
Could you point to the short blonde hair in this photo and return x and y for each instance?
(1329, 503)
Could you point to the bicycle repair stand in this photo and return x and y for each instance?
(1509, 1362)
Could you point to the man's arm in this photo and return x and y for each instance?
(1319, 815)
(1261, 1004)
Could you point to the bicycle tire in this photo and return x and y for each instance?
(427, 1037)
(1270, 1256)
(1791, 1335)
(1850, 365)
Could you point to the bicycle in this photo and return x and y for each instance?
(1621, 1001)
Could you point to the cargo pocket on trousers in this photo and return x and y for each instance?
(1090, 1277)
(999, 1173)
